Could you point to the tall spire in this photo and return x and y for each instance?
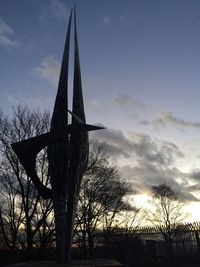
(61, 103)
(78, 106)
(79, 146)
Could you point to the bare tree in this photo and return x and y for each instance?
(167, 213)
(10, 211)
(21, 204)
(132, 219)
(101, 198)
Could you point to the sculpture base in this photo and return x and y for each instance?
(75, 263)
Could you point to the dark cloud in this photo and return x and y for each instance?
(115, 142)
(140, 145)
(194, 188)
(152, 161)
(195, 178)
(145, 175)
(196, 175)
(143, 122)
(154, 151)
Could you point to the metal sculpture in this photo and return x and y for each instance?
(68, 149)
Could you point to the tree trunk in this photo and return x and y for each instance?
(29, 240)
(83, 245)
(29, 246)
(90, 244)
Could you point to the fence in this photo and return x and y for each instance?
(150, 243)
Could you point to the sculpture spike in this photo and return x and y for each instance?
(78, 106)
(60, 116)
(58, 152)
(79, 146)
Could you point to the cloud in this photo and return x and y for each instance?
(48, 70)
(144, 122)
(4, 28)
(106, 21)
(195, 177)
(121, 17)
(168, 119)
(155, 151)
(128, 102)
(150, 161)
(6, 35)
(55, 9)
(96, 104)
(144, 176)
(139, 145)
(115, 142)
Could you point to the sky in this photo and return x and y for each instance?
(140, 63)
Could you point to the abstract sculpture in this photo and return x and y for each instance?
(68, 149)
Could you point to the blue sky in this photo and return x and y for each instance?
(140, 63)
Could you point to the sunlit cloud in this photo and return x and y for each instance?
(149, 162)
(193, 210)
(6, 35)
(48, 70)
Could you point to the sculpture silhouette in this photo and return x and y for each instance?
(68, 149)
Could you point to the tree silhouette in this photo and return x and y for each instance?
(166, 214)
(100, 200)
(22, 209)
